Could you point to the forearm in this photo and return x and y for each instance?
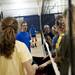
(45, 64)
(29, 69)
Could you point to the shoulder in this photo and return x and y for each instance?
(28, 33)
(20, 45)
(23, 51)
(18, 34)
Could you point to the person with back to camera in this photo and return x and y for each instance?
(15, 58)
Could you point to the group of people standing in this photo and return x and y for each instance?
(15, 58)
(59, 44)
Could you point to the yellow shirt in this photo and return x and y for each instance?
(59, 40)
(14, 66)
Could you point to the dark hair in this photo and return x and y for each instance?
(60, 21)
(59, 17)
(23, 23)
(9, 28)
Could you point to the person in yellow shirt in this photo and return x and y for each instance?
(15, 58)
(61, 29)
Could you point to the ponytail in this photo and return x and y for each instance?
(8, 38)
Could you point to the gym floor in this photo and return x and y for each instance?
(39, 50)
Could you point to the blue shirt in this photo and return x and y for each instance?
(54, 40)
(24, 37)
(32, 31)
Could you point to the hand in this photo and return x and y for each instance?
(35, 66)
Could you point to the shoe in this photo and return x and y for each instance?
(35, 45)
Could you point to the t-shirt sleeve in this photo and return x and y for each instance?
(18, 37)
(24, 53)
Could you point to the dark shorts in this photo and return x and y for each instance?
(33, 35)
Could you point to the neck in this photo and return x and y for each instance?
(23, 30)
